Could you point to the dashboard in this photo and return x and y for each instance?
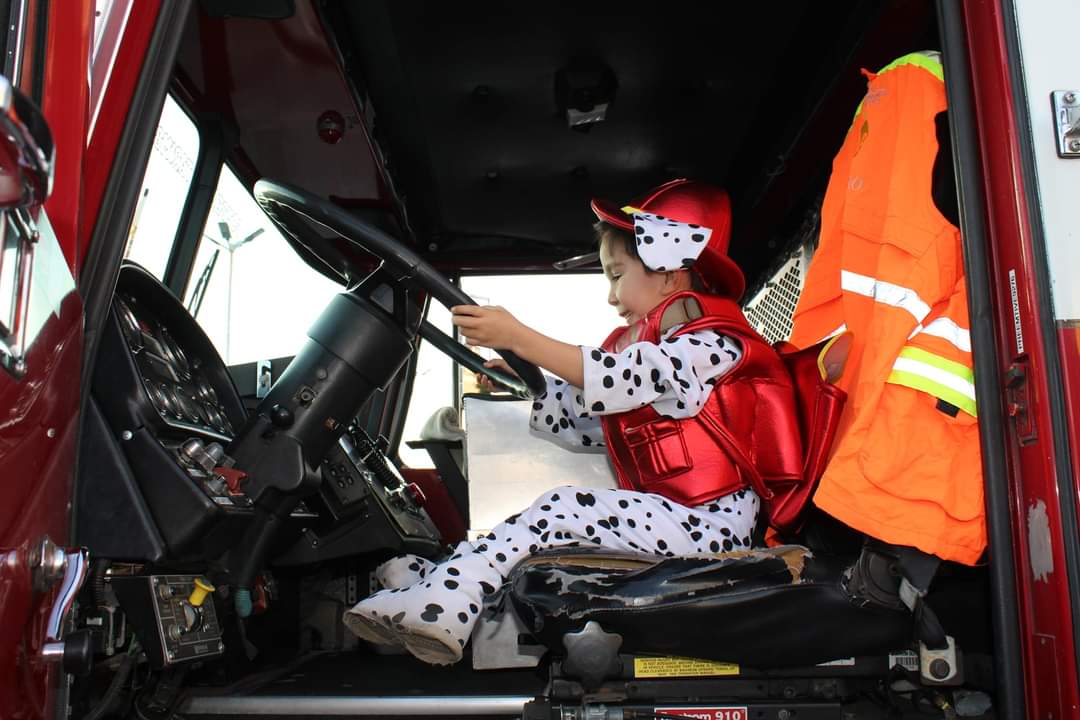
(171, 405)
(178, 386)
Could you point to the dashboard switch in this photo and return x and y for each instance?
(199, 592)
(233, 478)
(416, 494)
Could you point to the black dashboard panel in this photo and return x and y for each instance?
(185, 385)
(172, 414)
(163, 390)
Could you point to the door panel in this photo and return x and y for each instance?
(38, 431)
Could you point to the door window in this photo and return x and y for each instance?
(543, 302)
(164, 190)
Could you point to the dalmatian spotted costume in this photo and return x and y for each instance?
(432, 608)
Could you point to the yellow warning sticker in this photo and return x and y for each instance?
(655, 667)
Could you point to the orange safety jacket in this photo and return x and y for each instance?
(905, 467)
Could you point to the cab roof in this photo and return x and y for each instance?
(465, 124)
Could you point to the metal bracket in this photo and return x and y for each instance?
(263, 378)
(1066, 104)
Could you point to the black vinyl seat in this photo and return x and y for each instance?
(768, 608)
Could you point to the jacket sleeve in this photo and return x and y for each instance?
(676, 375)
(937, 356)
(556, 413)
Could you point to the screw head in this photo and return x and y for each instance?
(127, 435)
(1074, 145)
(51, 432)
(1070, 97)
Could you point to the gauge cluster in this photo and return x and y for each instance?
(174, 379)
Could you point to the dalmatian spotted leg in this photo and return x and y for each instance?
(403, 571)
(434, 618)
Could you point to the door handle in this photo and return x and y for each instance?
(74, 651)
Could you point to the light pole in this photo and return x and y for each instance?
(226, 242)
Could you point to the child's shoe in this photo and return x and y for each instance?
(433, 618)
(403, 571)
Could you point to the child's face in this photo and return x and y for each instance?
(634, 291)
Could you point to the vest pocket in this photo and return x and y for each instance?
(658, 450)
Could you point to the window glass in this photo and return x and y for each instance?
(432, 389)
(22, 44)
(571, 308)
(249, 290)
(164, 190)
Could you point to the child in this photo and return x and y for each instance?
(663, 396)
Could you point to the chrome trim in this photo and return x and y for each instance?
(369, 706)
(74, 575)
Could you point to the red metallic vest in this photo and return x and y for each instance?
(754, 404)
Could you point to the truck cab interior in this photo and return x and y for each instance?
(235, 501)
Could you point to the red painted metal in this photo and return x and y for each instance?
(113, 114)
(65, 103)
(38, 436)
(39, 413)
(439, 505)
(103, 59)
(292, 76)
(1045, 611)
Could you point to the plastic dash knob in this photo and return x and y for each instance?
(199, 593)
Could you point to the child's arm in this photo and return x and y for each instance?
(496, 328)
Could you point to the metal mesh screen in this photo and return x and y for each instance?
(770, 311)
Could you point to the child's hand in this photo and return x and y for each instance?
(488, 326)
(485, 383)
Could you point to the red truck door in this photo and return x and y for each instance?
(70, 70)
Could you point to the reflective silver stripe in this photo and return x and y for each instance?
(886, 293)
(948, 330)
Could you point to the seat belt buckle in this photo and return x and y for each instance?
(941, 667)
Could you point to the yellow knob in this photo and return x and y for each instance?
(202, 589)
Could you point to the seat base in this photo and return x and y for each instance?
(770, 608)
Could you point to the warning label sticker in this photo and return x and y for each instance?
(906, 659)
(655, 667)
(726, 712)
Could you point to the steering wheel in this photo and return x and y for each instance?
(286, 205)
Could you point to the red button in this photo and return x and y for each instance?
(416, 494)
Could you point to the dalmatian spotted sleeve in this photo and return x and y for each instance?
(675, 375)
(559, 411)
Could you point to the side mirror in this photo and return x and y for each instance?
(26, 150)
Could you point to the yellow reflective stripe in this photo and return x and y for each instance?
(952, 367)
(929, 61)
(937, 376)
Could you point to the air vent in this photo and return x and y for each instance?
(770, 312)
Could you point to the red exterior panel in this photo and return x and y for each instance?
(66, 104)
(116, 99)
(1049, 656)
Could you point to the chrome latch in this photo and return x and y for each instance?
(1066, 105)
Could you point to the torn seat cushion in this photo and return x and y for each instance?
(769, 608)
